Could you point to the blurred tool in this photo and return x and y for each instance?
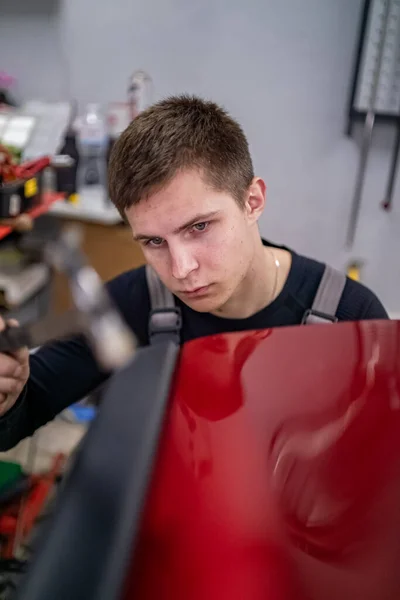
(95, 316)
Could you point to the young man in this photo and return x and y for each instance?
(181, 175)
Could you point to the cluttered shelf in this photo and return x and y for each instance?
(48, 199)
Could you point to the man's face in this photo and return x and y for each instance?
(199, 241)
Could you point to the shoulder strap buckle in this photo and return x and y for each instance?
(165, 319)
(327, 298)
(315, 316)
(165, 324)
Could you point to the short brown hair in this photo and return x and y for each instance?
(180, 132)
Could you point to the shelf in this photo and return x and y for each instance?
(92, 207)
(36, 211)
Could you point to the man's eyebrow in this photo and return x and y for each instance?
(196, 219)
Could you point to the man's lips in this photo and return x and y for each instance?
(195, 291)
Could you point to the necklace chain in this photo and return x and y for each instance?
(277, 265)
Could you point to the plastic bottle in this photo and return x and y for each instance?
(140, 92)
(92, 142)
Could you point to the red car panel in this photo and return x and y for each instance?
(278, 473)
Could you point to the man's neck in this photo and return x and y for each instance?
(263, 282)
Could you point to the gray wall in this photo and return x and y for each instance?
(282, 68)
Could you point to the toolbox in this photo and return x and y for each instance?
(21, 185)
(20, 195)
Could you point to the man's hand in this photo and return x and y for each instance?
(14, 373)
(21, 223)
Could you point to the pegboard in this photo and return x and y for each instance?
(376, 84)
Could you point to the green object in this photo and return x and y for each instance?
(9, 472)
(16, 153)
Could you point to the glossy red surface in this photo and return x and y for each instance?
(278, 475)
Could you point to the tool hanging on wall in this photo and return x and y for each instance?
(388, 198)
(375, 96)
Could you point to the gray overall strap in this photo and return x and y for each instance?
(165, 320)
(327, 298)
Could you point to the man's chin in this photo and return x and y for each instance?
(202, 304)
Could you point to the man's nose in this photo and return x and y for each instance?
(182, 262)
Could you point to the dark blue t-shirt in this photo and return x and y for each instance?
(64, 372)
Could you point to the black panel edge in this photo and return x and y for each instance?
(85, 550)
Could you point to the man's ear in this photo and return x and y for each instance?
(255, 200)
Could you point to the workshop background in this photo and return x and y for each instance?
(284, 69)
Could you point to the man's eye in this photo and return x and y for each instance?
(201, 226)
(154, 242)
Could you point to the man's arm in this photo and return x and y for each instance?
(372, 307)
(359, 302)
(61, 373)
(375, 309)
(64, 372)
